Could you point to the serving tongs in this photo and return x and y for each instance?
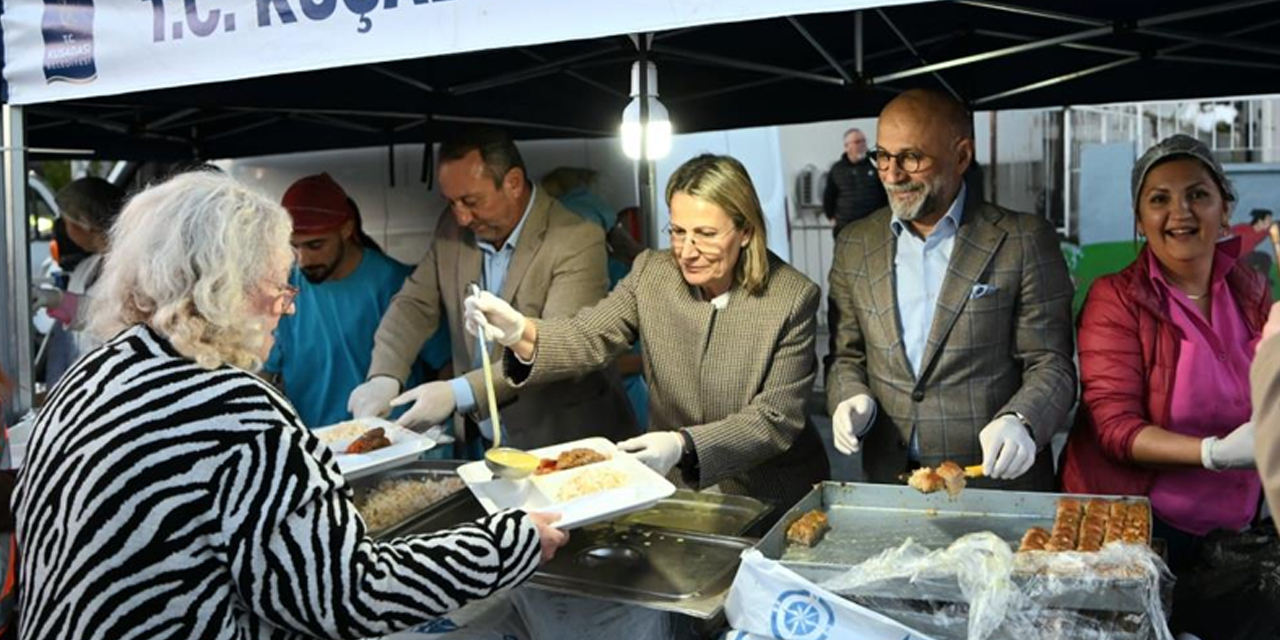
(504, 462)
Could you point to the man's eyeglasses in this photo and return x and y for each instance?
(909, 161)
(706, 241)
(282, 304)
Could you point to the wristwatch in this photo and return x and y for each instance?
(1023, 419)
(688, 454)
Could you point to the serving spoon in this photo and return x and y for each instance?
(504, 462)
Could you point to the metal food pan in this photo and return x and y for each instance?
(702, 512)
(416, 470)
(867, 519)
(681, 571)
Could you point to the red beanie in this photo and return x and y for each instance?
(317, 205)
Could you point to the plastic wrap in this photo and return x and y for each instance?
(979, 588)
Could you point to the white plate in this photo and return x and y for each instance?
(406, 445)
(643, 487)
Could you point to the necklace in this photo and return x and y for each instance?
(1199, 297)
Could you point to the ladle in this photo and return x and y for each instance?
(503, 462)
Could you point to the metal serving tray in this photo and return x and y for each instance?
(415, 470)
(712, 513)
(867, 519)
(681, 571)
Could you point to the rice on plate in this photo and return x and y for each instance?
(591, 480)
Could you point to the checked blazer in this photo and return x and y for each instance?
(736, 378)
(1001, 341)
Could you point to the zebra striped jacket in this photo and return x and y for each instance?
(162, 500)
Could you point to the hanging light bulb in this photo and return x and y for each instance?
(658, 133)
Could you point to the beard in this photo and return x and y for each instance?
(317, 273)
(926, 201)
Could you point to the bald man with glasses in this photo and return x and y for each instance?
(951, 334)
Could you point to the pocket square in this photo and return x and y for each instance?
(982, 291)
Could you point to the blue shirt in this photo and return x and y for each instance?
(920, 265)
(493, 276)
(323, 351)
(591, 207)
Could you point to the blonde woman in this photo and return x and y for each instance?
(727, 332)
(169, 492)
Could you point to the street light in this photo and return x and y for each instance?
(658, 134)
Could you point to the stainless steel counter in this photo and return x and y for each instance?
(679, 556)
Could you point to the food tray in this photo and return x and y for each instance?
(406, 445)
(414, 470)
(642, 489)
(867, 519)
(683, 572)
(702, 512)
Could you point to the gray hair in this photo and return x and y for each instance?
(186, 257)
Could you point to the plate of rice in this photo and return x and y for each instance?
(600, 490)
(401, 445)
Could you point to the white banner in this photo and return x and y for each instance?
(63, 49)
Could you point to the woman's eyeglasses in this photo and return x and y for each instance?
(282, 304)
(706, 241)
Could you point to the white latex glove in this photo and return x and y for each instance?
(501, 322)
(433, 403)
(47, 297)
(372, 398)
(1008, 450)
(659, 450)
(851, 421)
(1232, 451)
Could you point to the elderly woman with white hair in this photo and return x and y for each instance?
(168, 492)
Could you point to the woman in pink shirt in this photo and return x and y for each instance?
(1165, 348)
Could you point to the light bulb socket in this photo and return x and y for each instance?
(651, 70)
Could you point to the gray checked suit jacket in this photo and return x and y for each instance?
(558, 267)
(737, 379)
(995, 349)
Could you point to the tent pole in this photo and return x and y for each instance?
(822, 51)
(646, 186)
(1058, 80)
(927, 68)
(15, 317)
(1066, 171)
(722, 61)
(857, 43)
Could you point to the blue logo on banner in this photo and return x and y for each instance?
(68, 41)
(800, 615)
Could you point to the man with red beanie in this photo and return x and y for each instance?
(322, 351)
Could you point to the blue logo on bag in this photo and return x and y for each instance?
(67, 28)
(437, 626)
(800, 615)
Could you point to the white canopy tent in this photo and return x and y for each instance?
(203, 79)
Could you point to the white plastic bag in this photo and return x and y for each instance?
(769, 600)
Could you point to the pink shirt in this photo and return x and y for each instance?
(1210, 398)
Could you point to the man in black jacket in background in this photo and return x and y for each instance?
(853, 188)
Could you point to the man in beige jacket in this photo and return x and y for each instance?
(524, 246)
(1264, 379)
